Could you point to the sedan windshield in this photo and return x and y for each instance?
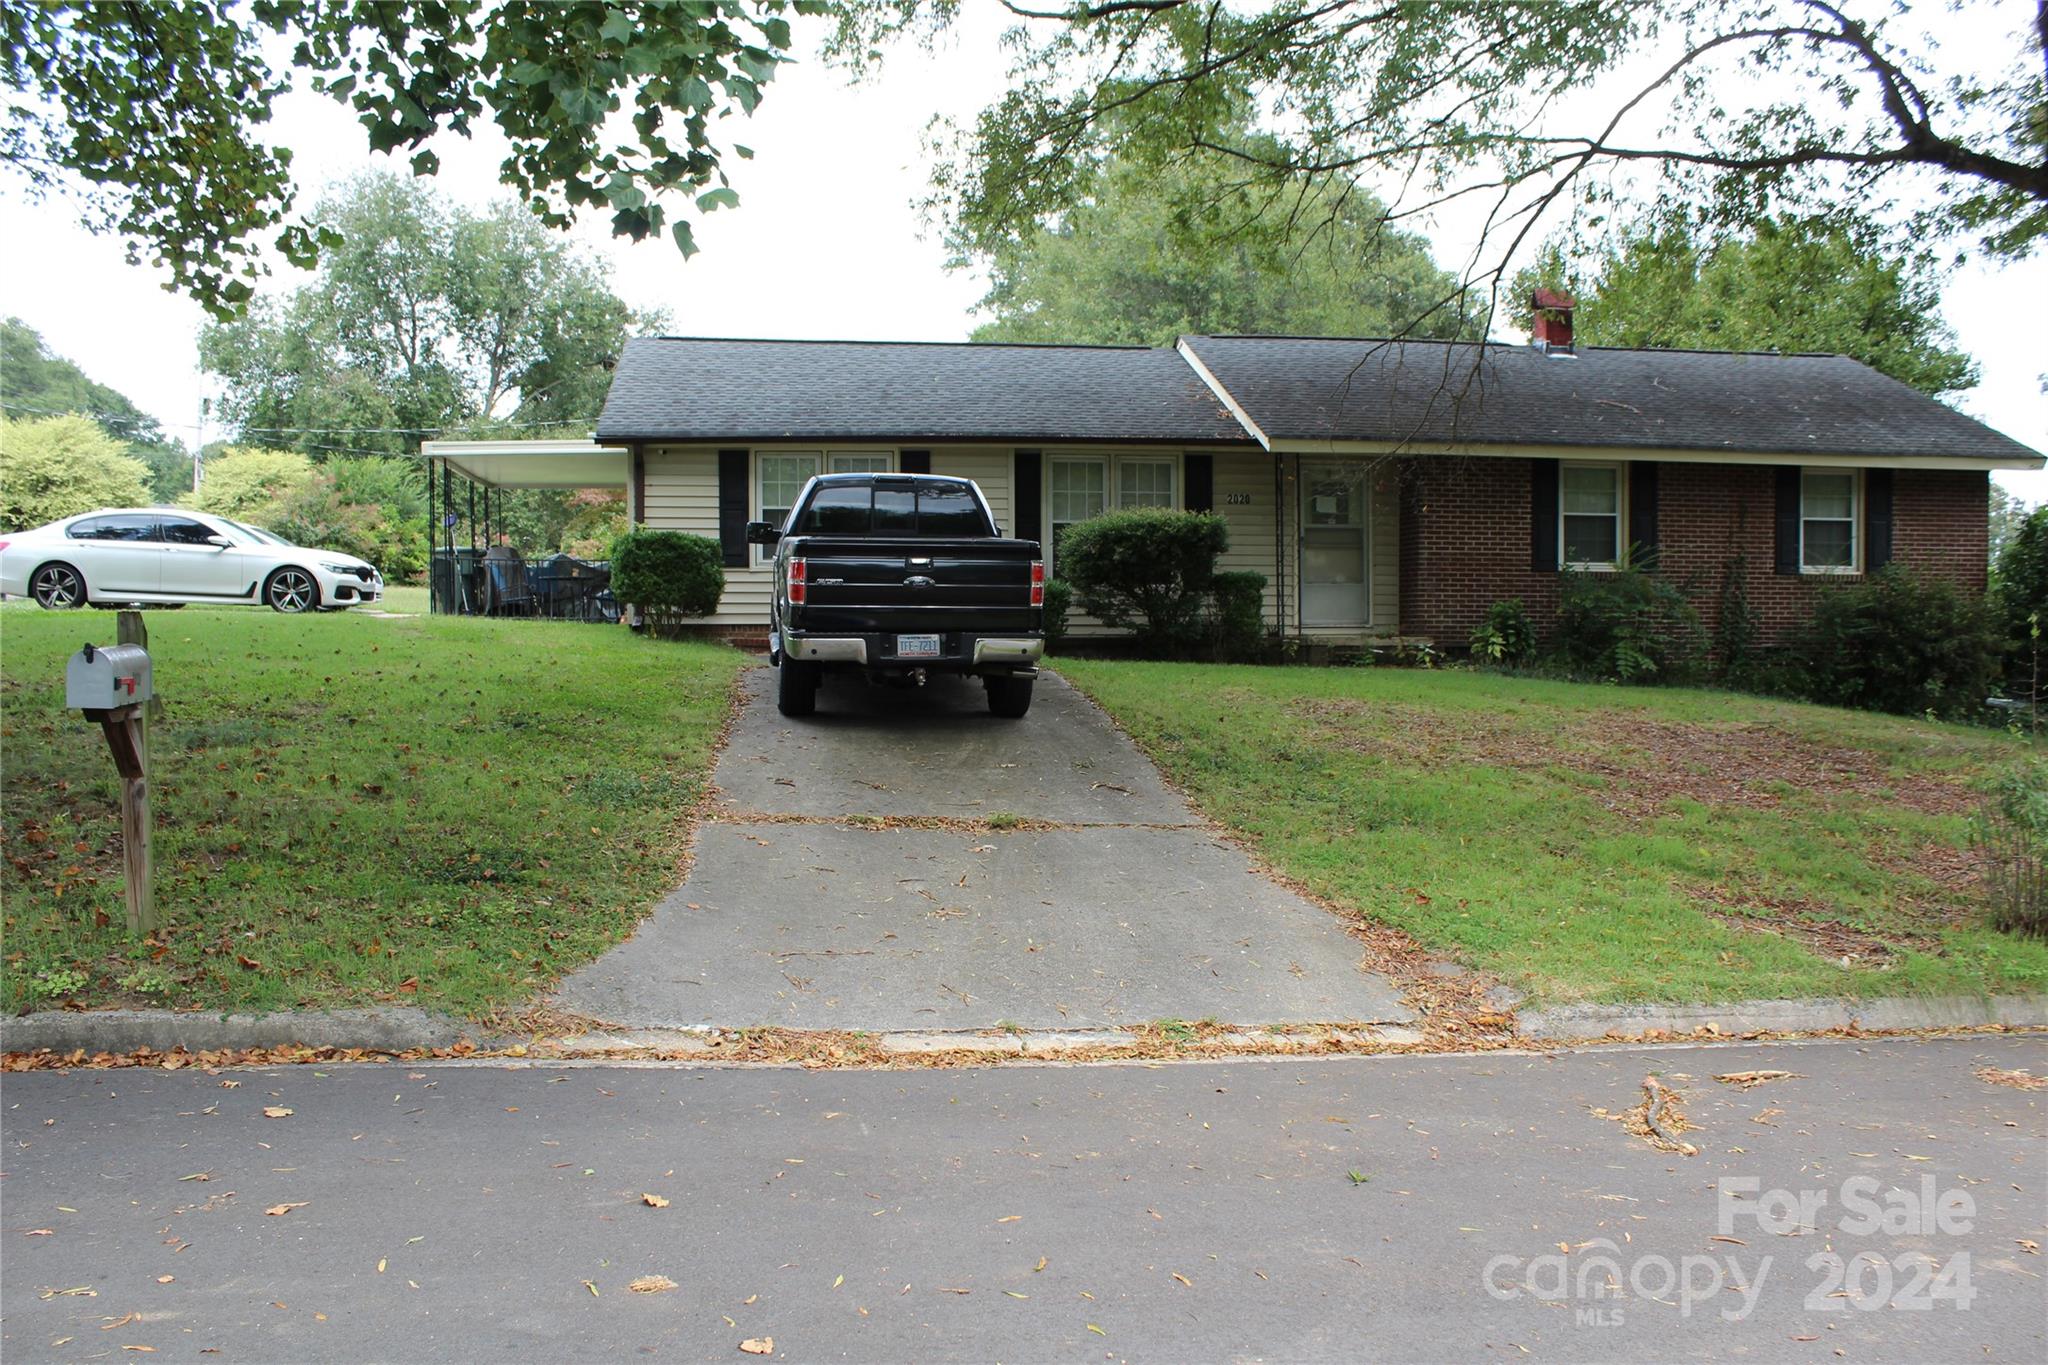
(261, 537)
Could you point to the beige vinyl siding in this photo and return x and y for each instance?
(990, 468)
(1248, 474)
(682, 495)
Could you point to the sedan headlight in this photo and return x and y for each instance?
(348, 569)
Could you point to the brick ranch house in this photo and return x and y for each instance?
(1384, 488)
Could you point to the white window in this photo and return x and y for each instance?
(861, 462)
(1827, 521)
(1075, 490)
(1145, 483)
(1589, 515)
(779, 478)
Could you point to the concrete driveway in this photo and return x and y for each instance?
(905, 861)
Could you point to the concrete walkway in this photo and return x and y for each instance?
(797, 915)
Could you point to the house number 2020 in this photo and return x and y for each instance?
(1237, 500)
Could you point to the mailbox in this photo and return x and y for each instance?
(105, 677)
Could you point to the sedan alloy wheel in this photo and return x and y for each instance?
(57, 587)
(292, 590)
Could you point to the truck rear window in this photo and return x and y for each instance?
(894, 508)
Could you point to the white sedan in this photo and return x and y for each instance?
(165, 554)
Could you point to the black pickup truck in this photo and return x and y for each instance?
(899, 576)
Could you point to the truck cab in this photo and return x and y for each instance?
(897, 577)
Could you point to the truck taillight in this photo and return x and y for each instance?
(1037, 582)
(798, 581)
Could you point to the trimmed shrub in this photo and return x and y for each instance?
(1626, 625)
(253, 485)
(57, 467)
(1507, 637)
(668, 573)
(2012, 831)
(1899, 642)
(1148, 570)
(1237, 616)
(1059, 598)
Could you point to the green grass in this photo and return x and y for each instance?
(1573, 838)
(350, 809)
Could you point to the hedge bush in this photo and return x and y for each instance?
(2022, 594)
(1148, 570)
(1237, 617)
(668, 573)
(1059, 597)
(1899, 642)
(1626, 625)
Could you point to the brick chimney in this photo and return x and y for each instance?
(1552, 328)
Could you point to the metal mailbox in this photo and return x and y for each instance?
(106, 677)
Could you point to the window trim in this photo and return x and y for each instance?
(1854, 519)
(1620, 469)
(764, 555)
(1112, 462)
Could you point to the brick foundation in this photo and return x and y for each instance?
(1465, 533)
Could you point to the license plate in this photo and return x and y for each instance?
(917, 646)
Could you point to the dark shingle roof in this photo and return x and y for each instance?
(697, 389)
(1318, 389)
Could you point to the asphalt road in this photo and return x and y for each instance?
(1441, 1208)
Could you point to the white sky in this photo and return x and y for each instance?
(826, 243)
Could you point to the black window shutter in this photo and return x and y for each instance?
(1200, 472)
(1024, 497)
(732, 507)
(1642, 512)
(915, 461)
(1877, 518)
(1543, 516)
(1788, 519)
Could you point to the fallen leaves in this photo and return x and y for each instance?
(84, 1291)
(276, 1111)
(280, 1210)
(591, 1287)
(40, 1232)
(652, 1284)
(1749, 1080)
(2020, 1079)
(654, 1201)
(759, 1346)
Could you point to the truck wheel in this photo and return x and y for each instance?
(796, 687)
(1009, 698)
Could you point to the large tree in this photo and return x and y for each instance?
(37, 382)
(1736, 109)
(1151, 255)
(427, 319)
(155, 113)
(1783, 286)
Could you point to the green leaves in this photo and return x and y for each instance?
(721, 198)
(158, 109)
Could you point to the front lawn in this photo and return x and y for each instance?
(1599, 843)
(350, 809)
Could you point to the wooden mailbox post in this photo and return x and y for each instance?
(112, 686)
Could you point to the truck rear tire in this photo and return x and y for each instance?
(1009, 698)
(796, 687)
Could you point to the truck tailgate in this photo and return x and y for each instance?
(873, 585)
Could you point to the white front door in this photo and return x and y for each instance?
(1335, 507)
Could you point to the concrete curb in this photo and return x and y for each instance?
(393, 1029)
(1562, 1022)
(405, 1029)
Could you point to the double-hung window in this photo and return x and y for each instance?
(1078, 487)
(1589, 515)
(1827, 521)
(860, 462)
(780, 476)
(1075, 490)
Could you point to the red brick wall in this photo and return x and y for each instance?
(1465, 540)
